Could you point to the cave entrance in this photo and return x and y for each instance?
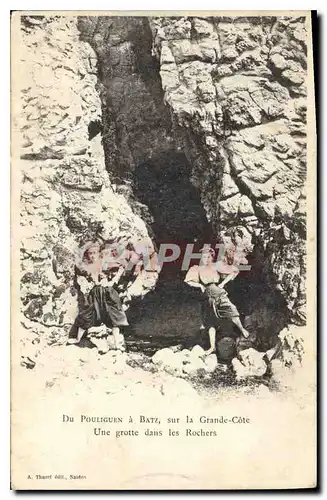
(171, 312)
(262, 308)
(174, 203)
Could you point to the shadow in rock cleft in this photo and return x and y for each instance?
(263, 309)
(170, 314)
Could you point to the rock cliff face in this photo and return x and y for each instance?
(231, 99)
(122, 100)
(66, 194)
(236, 91)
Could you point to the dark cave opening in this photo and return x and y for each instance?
(171, 312)
(262, 308)
(136, 125)
(163, 185)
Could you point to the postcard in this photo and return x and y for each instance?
(163, 215)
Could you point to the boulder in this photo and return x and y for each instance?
(195, 367)
(163, 356)
(176, 348)
(198, 351)
(245, 343)
(239, 369)
(174, 366)
(211, 363)
(292, 341)
(249, 364)
(278, 370)
(168, 360)
(101, 344)
(185, 353)
(185, 362)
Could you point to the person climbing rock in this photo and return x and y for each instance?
(211, 277)
(99, 303)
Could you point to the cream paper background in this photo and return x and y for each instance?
(276, 450)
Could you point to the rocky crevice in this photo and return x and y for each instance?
(67, 196)
(230, 94)
(244, 99)
(225, 94)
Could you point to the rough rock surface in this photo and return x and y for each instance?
(280, 361)
(249, 364)
(236, 91)
(83, 371)
(230, 93)
(187, 362)
(137, 124)
(109, 94)
(66, 193)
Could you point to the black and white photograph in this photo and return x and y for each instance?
(163, 251)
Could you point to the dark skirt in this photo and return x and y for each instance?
(219, 309)
(102, 305)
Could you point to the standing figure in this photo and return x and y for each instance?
(210, 278)
(99, 302)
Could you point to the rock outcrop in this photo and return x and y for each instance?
(185, 362)
(249, 364)
(230, 94)
(236, 91)
(67, 196)
(136, 122)
(102, 96)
